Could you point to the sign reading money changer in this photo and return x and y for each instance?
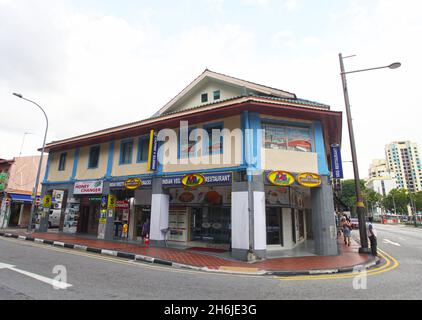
(308, 179)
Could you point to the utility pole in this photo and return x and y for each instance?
(360, 207)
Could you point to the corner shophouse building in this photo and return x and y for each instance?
(253, 200)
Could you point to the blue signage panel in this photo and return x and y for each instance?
(336, 164)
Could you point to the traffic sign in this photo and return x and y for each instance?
(37, 201)
(7, 201)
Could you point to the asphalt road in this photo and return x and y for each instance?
(93, 276)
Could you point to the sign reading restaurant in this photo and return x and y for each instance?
(88, 187)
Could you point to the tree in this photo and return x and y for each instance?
(417, 200)
(348, 194)
(396, 201)
(371, 198)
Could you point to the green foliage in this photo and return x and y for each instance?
(397, 201)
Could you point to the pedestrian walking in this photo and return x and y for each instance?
(346, 227)
(372, 235)
(145, 229)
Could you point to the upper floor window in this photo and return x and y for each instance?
(126, 151)
(94, 156)
(204, 97)
(283, 137)
(186, 145)
(215, 138)
(143, 149)
(62, 161)
(216, 95)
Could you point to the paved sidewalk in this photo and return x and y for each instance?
(344, 262)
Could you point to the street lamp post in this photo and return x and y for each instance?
(360, 207)
(39, 165)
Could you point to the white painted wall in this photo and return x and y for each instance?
(159, 215)
(240, 220)
(260, 230)
(287, 229)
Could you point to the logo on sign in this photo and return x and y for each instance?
(133, 183)
(308, 179)
(193, 180)
(281, 178)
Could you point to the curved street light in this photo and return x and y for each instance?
(39, 165)
(360, 207)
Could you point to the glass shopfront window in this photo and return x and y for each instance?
(284, 137)
(210, 224)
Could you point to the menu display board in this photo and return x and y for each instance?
(178, 224)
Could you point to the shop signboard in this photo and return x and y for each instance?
(224, 178)
(281, 178)
(88, 187)
(133, 183)
(308, 179)
(336, 163)
(153, 151)
(144, 182)
(122, 204)
(193, 180)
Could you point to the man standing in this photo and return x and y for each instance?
(372, 235)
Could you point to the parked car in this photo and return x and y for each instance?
(54, 218)
(355, 223)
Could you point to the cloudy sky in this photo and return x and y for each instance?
(94, 64)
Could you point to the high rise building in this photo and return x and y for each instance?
(378, 169)
(404, 162)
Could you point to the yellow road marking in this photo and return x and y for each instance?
(238, 269)
(388, 266)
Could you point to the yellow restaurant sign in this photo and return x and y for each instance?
(133, 183)
(308, 179)
(193, 180)
(281, 178)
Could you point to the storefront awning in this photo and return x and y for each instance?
(20, 197)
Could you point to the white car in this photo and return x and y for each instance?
(54, 219)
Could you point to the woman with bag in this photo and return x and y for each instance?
(347, 229)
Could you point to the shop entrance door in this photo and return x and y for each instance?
(142, 213)
(274, 221)
(211, 224)
(83, 219)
